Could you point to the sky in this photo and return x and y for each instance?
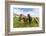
(34, 12)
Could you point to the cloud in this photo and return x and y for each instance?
(24, 9)
(34, 12)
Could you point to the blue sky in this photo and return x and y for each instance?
(34, 12)
(24, 9)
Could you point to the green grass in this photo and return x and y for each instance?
(18, 24)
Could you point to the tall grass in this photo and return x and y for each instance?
(18, 24)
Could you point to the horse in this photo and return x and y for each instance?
(29, 18)
(25, 18)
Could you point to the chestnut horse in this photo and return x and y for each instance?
(25, 18)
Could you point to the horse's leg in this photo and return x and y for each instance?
(30, 19)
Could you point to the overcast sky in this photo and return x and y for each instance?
(34, 12)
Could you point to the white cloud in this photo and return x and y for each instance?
(34, 13)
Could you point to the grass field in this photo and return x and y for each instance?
(18, 24)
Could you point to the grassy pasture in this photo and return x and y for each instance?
(18, 24)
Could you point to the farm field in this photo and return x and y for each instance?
(18, 24)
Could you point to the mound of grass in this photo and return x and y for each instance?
(18, 24)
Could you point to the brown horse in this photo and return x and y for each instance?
(29, 18)
(25, 18)
(22, 17)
